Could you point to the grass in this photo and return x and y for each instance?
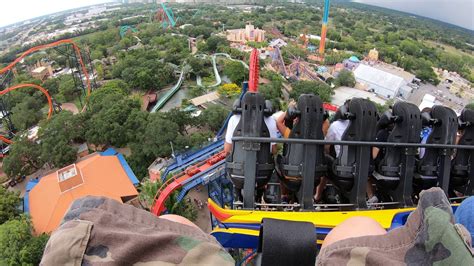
(448, 48)
(3, 179)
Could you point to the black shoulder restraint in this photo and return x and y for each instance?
(286, 243)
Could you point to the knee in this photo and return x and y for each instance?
(354, 227)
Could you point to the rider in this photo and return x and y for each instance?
(232, 125)
(285, 132)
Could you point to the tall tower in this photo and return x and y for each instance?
(324, 29)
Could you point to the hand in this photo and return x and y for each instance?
(292, 104)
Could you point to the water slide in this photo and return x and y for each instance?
(214, 66)
(191, 173)
(165, 98)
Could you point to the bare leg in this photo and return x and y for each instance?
(354, 227)
(178, 219)
(320, 189)
(370, 188)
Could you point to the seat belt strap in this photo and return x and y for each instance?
(287, 243)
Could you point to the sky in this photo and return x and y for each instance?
(12, 11)
(457, 12)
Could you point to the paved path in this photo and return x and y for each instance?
(70, 107)
(203, 220)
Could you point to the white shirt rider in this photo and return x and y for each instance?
(232, 125)
(335, 132)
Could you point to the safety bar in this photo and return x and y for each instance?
(358, 143)
(357, 198)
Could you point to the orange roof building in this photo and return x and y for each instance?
(100, 174)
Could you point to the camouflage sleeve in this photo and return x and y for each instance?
(101, 231)
(428, 237)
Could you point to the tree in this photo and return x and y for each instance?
(184, 208)
(235, 71)
(142, 70)
(158, 134)
(272, 92)
(315, 87)
(229, 90)
(181, 118)
(108, 93)
(17, 244)
(198, 66)
(52, 85)
(24, 158)
(9, 203)
(214, 117)
(470, 106)
(213, 42)
(67, 88)
(107, 126)
(136, 124)
(345, 78)
(25, 115)
(56, 137)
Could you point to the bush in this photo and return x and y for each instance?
(18, 246)
(314, 87)
(345, 78)
(229, 90)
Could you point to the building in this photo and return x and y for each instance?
(351, 63)
(203, 100)
(384, 84)
(41, 72)
(104, 174)
(277, 43)
(82, 150)
(155, 169)
(250, 33)
(373, 55)
(427, 102)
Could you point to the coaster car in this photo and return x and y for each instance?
(398, 174)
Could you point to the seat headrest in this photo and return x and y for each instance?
(466, 118)
(407, 119)
(445, 125)
(268, 108)
(363, 116)
(237, 106)
(311, 114)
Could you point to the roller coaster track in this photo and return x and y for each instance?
(181, 179)
(43, 90)
(51, 45)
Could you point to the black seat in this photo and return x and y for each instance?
(461, 169)
(249, 161)
(350, 170)
(308, 125)
(434, 168)
(394, 172)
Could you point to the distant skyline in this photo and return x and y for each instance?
(13, 11)
(457, 12)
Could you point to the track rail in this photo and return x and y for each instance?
(43, 90)
(28, 85)
(51, 45)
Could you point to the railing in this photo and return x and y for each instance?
(360, 172)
